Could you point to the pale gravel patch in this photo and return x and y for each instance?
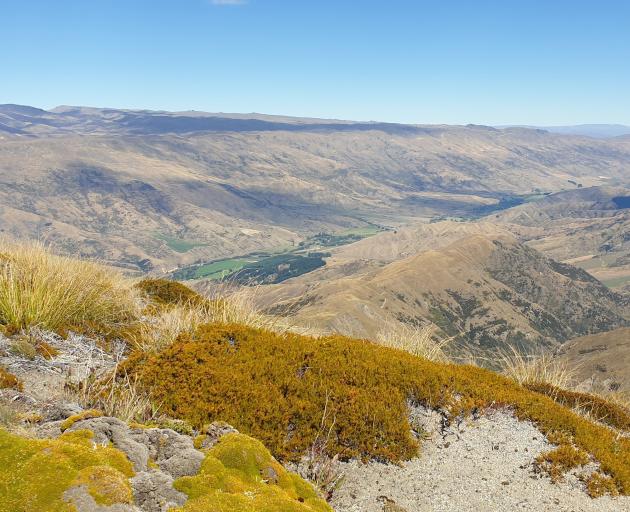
(484, 464)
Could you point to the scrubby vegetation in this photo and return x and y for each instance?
(34, 474)
(175, 309)
(535, 369)
(419, 341)
(239, 474)
(38, 288)
(597, 485)
(164, 291)
(8, 380)
(558, 461)
(275, 387)
(596, 407)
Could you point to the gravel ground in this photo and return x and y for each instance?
(485, 465)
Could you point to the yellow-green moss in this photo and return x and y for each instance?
(35, 473)
(163, 291)
(106, 485)
(9, 381)
(558, 461)
(598, 485)
(84, 415)
(276, 388)
(240, 475)
(179, 426)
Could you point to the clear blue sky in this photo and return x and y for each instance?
(442, 61)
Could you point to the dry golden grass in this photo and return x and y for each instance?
(117, 395)
(174, 314)
(541, 368)
(419, 341)
(238, 305)
(38, 288)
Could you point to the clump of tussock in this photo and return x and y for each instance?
(39, 288)
(239, 305)
(419, 341)
(541, 368)
(116, 395)
(177, 309)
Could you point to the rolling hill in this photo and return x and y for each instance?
(601, 361)
(587, 227)
(487, 290)
(158, 190)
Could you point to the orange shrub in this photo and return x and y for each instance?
(278, 387)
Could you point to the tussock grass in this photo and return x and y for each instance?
(418, 341)
(116, 395)
(542, 368)
(39, 288)
(178, 310)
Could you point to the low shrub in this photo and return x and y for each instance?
(597, 485)
(240, 475)
(276, 388)
(558, 461)
(164, 291)
(175, 309)
(596, 407)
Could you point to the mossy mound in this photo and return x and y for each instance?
(165, 292)
(34, 474)
(287, 389)
(240, 475)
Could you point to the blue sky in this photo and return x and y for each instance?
(441, 61)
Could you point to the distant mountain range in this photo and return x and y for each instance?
(603, 131)
(148, 189)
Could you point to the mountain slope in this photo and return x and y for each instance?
(601, 361)
(588, 227)
(144, 188)
(488, 291)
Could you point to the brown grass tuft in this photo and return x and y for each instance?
(536, 368)
(418, 341)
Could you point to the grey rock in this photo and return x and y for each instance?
(50, 429)
(174, 453)
(60, 410)
(84, 502)
(216, 431)
(117, 432)
(153, 492)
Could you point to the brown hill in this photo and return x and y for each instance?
(588, 227)
(488, 290)
(175, 188)
(601, 361)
